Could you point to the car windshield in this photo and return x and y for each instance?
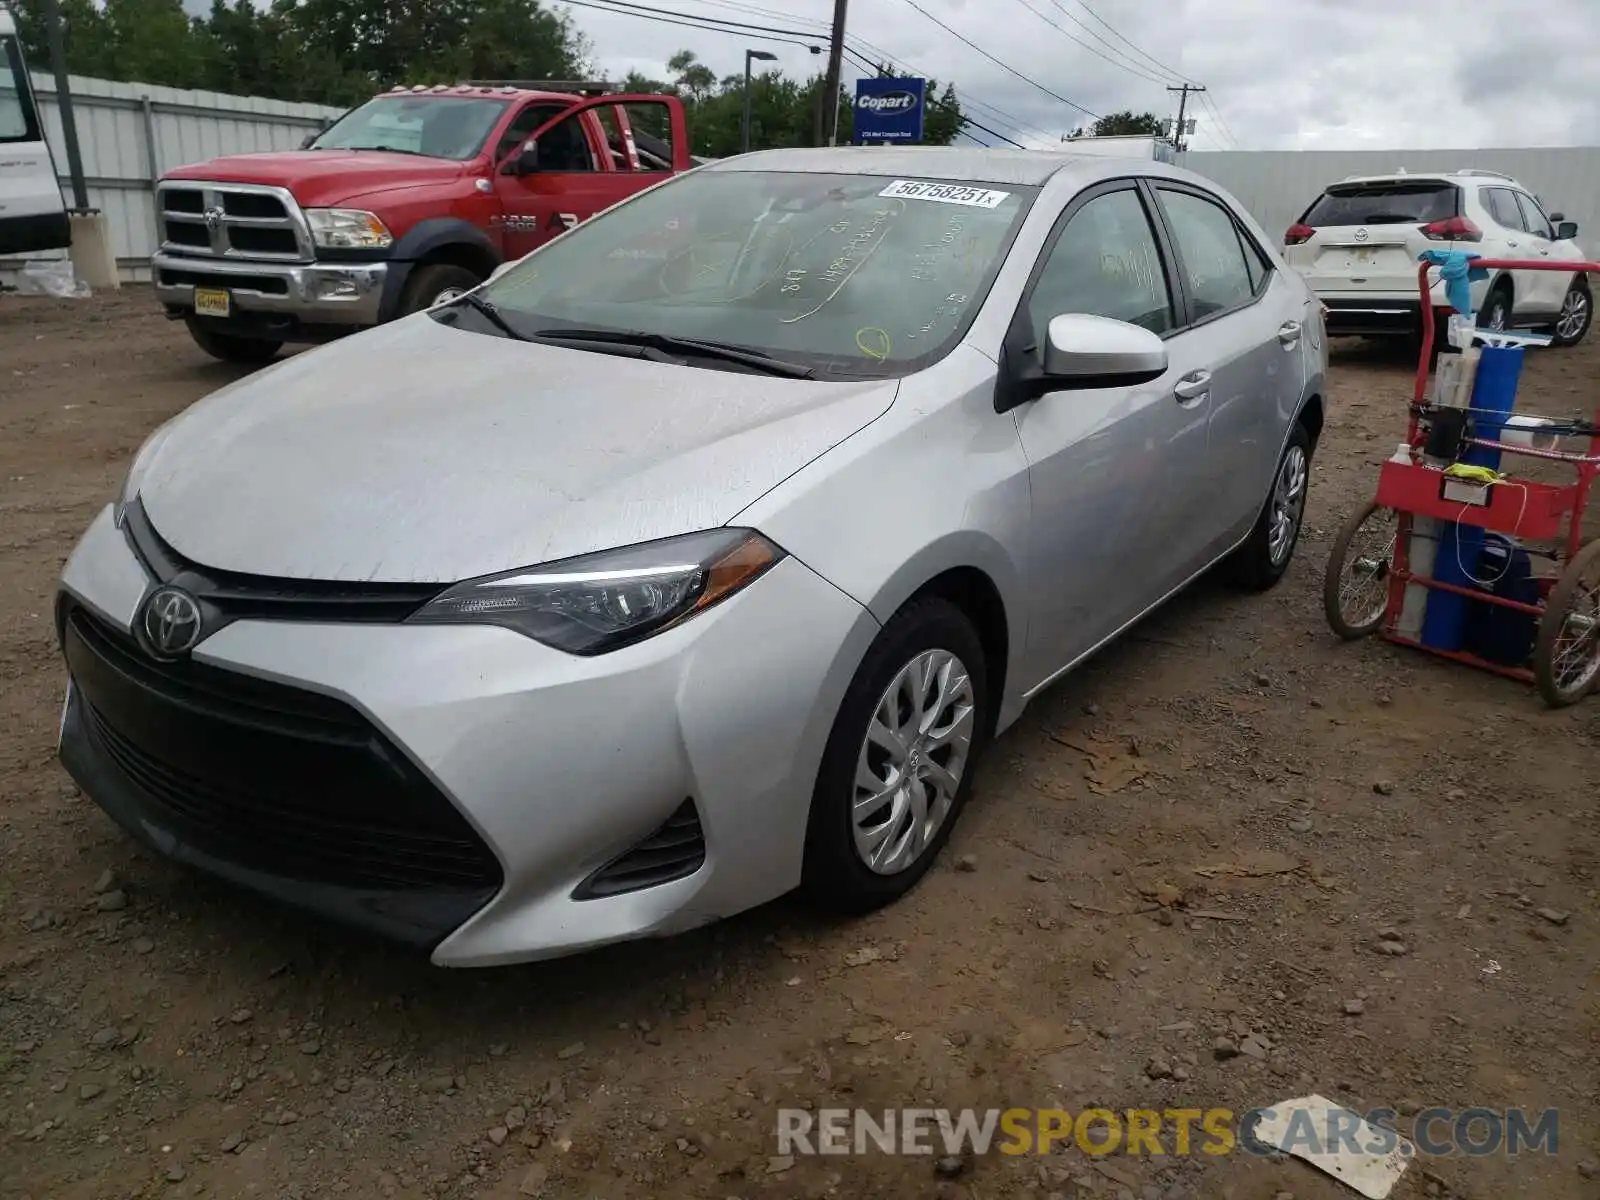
(1384, 204)
(851, 275)
(438, 126)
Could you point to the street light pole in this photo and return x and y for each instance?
(744, 126)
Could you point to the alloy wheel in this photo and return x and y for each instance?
(1574, 314)
(913, 758)
(1288, 505)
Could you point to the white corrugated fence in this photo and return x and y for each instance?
(130, 133)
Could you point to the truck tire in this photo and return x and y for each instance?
(433, 284)
(230, 347)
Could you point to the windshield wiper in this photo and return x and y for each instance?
(489, 312)
(765, 363)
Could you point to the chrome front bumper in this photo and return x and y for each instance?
(314, 293)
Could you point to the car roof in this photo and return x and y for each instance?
(962, 164)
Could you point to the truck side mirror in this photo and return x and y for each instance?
(309, 140)
(1566, 231)
(526, 160)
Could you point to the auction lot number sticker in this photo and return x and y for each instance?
(944, 193)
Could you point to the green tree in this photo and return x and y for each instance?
(1126, 123)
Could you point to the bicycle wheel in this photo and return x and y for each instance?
(1355, 590)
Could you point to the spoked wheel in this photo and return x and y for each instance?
(1566, 658)
(1355, 591)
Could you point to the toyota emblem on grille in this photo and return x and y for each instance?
(170, 622)
(214, 218)
(1361, 235)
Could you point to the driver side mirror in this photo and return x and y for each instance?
(1565, 230)
(525, 161)
(1085, 351)
(309, 140)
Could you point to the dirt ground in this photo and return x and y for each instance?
(161, 1035)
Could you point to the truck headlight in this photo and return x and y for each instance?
(347, 229)
(599, 602)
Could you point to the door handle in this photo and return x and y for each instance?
(1193, 386)
(1513, 244)
(1289, 333)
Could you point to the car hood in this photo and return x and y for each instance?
(417, 452)
(318, 178)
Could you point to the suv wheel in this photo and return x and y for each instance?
(1577, 314)
(1496, 313)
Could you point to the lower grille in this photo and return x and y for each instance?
(267, 285)
(283, 781)
(674, 851)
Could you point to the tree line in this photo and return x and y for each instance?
(341, 52)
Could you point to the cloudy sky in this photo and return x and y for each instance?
(1307, 74)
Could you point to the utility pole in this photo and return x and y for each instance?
(830, 84)
(1183, 103)
(69, 122)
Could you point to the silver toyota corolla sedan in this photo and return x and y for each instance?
(694, 557)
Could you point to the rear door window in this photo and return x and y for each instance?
(1211, 256)
(1397, 202)
(1502, 206)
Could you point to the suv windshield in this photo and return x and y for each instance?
(1385, 203)
(438, 126)
(848, 274)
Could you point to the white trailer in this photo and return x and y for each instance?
(33, 215)
(1128, 145)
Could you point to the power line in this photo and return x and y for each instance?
(1084, 4)
(966, 101)
(1216, 114)
(1128, 66)
(1002, 65)
(935, 102)
(695, 20)
(883, 56)
(711, 24)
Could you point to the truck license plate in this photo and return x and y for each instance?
(212, 302)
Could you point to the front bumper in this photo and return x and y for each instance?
(313, 294)
(554, 765)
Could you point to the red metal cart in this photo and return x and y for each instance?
(1368, 572)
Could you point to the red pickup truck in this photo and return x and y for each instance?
(412, 198)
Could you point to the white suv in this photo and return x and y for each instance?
(1359, 242)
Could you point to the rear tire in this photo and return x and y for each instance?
(1497, 308)
(434, 284)
(1577, 314)
(230, 347)
(858, 810)
(1266, 554)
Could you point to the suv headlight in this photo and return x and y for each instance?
(347, 229)
(599, 602)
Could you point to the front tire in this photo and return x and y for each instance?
(1266, 554)
(1577, 314)
(435, 284)
(230, 347)
(899, 761)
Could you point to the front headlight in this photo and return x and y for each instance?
(347, 229)
(600, 602)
